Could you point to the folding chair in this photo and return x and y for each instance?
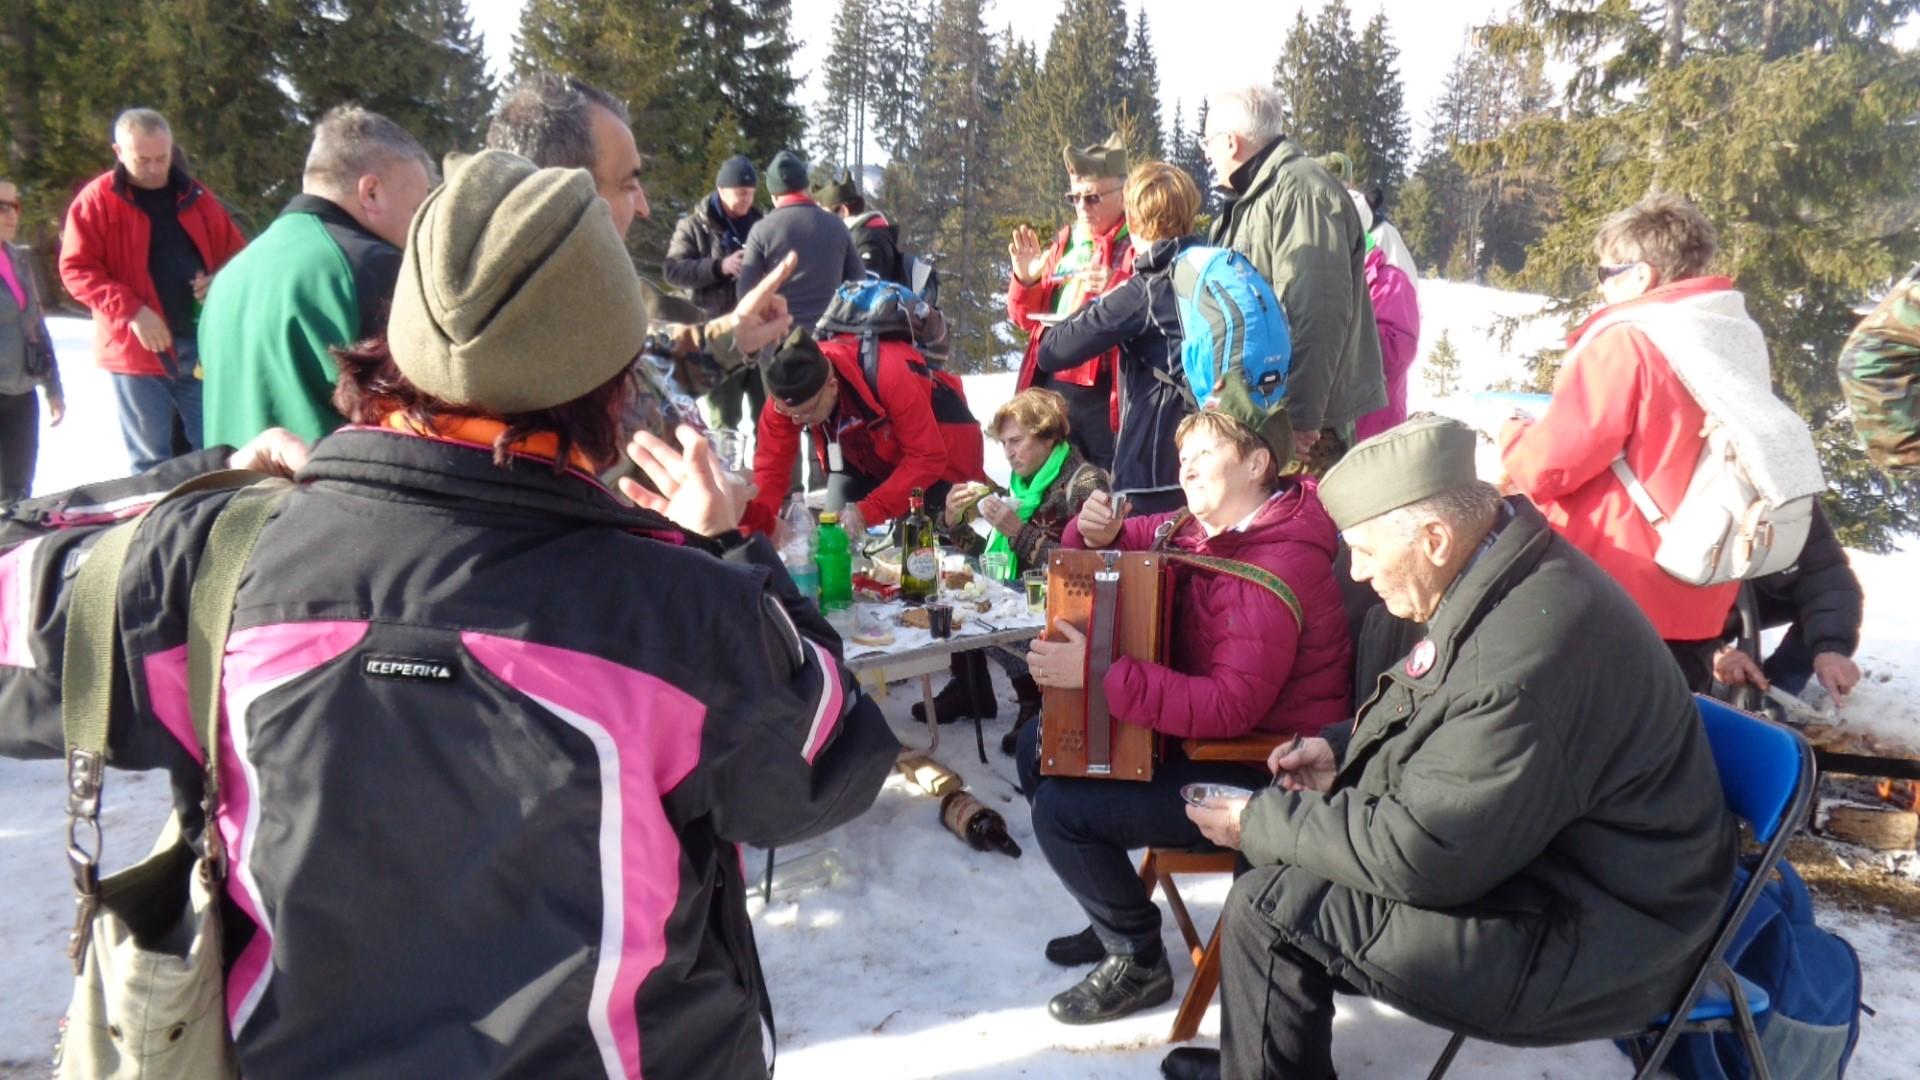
(1766, 771)
(1161, 864)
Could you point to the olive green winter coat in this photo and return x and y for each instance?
(1526, 840)
(1297, 226)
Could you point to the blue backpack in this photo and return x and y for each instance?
(1236, 349)
(1812, 977)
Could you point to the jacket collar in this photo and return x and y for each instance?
(185, 188)
(794, 198)
(452, 473)
(1160, 257)
(1683, 289)
(328, 211)
(1479, 588)
(1289, 514)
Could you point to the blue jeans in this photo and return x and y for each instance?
(149, 403)
(1086, 828)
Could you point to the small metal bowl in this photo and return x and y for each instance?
(1204, 794)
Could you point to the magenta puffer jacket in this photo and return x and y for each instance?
(1239, 662)
(1396, 312)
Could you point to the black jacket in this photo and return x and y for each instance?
(878, 242)
(1141, 316)
(701, 242)
(495, 739)
(1818, 594)
(1527, 840)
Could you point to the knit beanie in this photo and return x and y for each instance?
(786, 174)
(515, 293)
(1339, 164)
(736, 171)
(798, 370)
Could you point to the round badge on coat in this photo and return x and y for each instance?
(1420, 660)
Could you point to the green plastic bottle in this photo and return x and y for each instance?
(835, 558)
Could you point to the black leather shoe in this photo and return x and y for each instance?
(1191, 1063)
(1077, 950)
(1118, 987)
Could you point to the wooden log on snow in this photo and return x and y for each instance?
(1881, 829)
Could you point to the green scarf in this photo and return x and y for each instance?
(1029, 494)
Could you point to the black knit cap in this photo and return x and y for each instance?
(736, 171)
(798, 370)
(786, 174)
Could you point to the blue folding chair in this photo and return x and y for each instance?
(1766, 772)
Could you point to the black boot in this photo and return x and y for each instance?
(1076, 950)
(1028, 693)
(1191, 1063)
(961, 698)
(1120, 986)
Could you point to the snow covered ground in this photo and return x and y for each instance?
(923, 959)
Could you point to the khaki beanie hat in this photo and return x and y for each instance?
(515, 294)
(1423, 456)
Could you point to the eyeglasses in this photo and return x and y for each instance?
(9, 207)
(1605, 272)
(1090, 200)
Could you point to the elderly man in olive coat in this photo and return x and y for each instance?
(1525, 840)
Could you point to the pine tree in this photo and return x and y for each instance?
(1295, 76)
(738, 60)
(1384, 135)
(420, 63)
(1442, 369)
(840, 122)
(958, 179)
(902, 31)
(1078, 99)
(1185, 152)
(1141, 96)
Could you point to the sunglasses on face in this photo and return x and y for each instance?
(1091, 199)
(9, 207)
(1606, 273)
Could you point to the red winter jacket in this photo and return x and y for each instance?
(1396, 313)
(103, 260)
(1619, 396)
(1239, 662)
(894, 438)
(1112, 250)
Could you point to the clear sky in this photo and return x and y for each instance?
(1202, 44)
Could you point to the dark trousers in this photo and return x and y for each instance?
(1696, 662)
(19, 444)
(1276, 1002)
(1087, 827)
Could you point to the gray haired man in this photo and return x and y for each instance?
(1295, 223)
(321, 276)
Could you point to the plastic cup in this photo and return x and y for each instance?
(1035, 582)
(940, 620)
(997, 566)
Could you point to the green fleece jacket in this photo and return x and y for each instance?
(314, 280)
(1295, 223)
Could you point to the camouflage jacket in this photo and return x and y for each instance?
(1880, 376)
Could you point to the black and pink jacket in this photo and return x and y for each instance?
(492, 740)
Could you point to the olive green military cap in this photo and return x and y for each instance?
(1421, 457)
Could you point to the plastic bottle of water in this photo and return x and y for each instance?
(835, 560)
(796, 548)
